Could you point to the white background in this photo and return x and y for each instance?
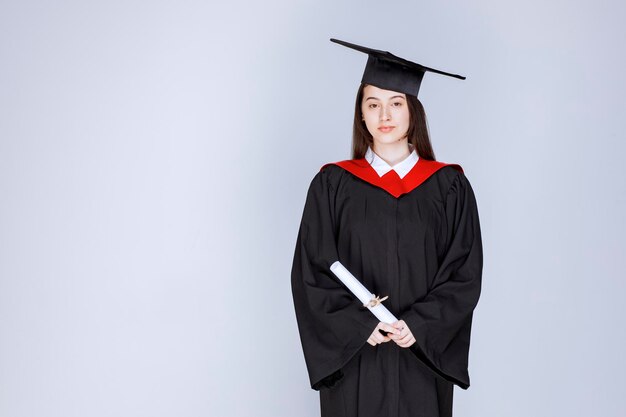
(155, 156)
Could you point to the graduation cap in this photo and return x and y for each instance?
(387, 71)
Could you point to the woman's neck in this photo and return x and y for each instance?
(392, 153)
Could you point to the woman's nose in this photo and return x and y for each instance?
(384, 113)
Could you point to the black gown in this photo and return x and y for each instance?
(416, 240)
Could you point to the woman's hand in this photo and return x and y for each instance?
(402, 336)
(377, 337)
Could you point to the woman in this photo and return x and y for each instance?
(407, 227)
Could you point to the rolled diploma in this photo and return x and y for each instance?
(354, 285)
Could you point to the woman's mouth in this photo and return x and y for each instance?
(386, 129)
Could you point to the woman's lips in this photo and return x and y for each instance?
(386, 129)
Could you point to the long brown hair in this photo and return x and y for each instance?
(417, 134)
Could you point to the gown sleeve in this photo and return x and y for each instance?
(441, 321)
(333, 324)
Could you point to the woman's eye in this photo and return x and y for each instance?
(397, 104)
(373, 106)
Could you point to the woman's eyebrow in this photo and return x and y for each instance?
(376, 98)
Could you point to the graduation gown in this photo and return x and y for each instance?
(416, 240)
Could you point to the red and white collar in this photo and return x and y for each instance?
(382, 167)
(391, 182)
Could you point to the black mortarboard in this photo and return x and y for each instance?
(387, 71)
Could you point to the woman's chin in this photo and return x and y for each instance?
(389, 140)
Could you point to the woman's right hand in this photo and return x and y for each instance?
(377, 337)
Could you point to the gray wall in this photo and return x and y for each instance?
(154, 159)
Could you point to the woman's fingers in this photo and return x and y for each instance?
(377, 337)
(403, 336)
(406, 341)
(399, 324)
(399, 332)
(408, 344)
(388, 328)
(380, 338)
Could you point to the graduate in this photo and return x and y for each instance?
(407, 227)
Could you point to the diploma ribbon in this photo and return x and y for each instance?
(375, 301)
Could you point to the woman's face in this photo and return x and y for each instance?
(386, 115)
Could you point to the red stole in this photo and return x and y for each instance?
(391, 181)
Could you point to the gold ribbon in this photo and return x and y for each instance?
(375, 301)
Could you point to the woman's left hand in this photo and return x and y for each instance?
(405, 339)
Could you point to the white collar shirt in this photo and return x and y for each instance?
(382, 167)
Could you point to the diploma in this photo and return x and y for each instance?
(374, 304)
